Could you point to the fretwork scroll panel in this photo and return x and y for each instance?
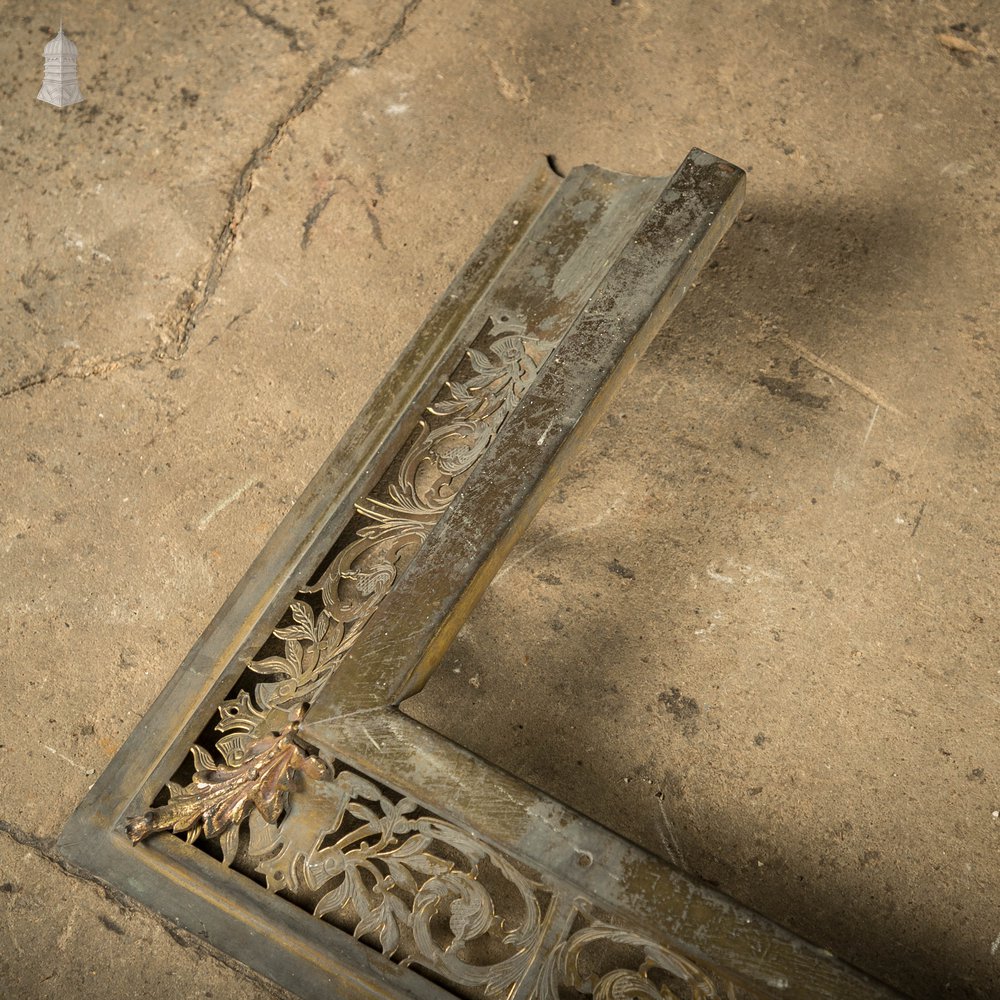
(392, 522)
(440, 899)
(513, 331)
(420, 889)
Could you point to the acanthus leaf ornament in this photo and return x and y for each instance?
(220, 797)
(606, 962)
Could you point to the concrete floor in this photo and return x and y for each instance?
(755, 629)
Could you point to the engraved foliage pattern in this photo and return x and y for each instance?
(415, 886)
(432, 471)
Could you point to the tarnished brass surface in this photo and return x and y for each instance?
(584, 875)
(682, 221)
(343, 849)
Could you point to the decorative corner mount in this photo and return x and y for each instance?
(220, 797)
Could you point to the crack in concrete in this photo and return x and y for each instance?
(40, 845)
(275, 25)
(376, 225)
(85, 369)
(44, 847)
(192, 302)
(313, 217)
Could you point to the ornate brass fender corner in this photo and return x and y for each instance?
(220, 797)
(414, 870)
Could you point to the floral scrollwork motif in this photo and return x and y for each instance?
(415, 886)
(219, 798)
(610, 963)
(459, 428)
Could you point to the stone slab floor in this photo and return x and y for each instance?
(755, 629)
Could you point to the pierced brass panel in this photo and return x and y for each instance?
(324, 838)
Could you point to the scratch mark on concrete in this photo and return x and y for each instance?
(66, 933)
(668, 839)
(995, 945)
(223, 504)
(871, 424)
(63, 756)
(275, 25)
(920, 517)
(191, 303)
(839, 374)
